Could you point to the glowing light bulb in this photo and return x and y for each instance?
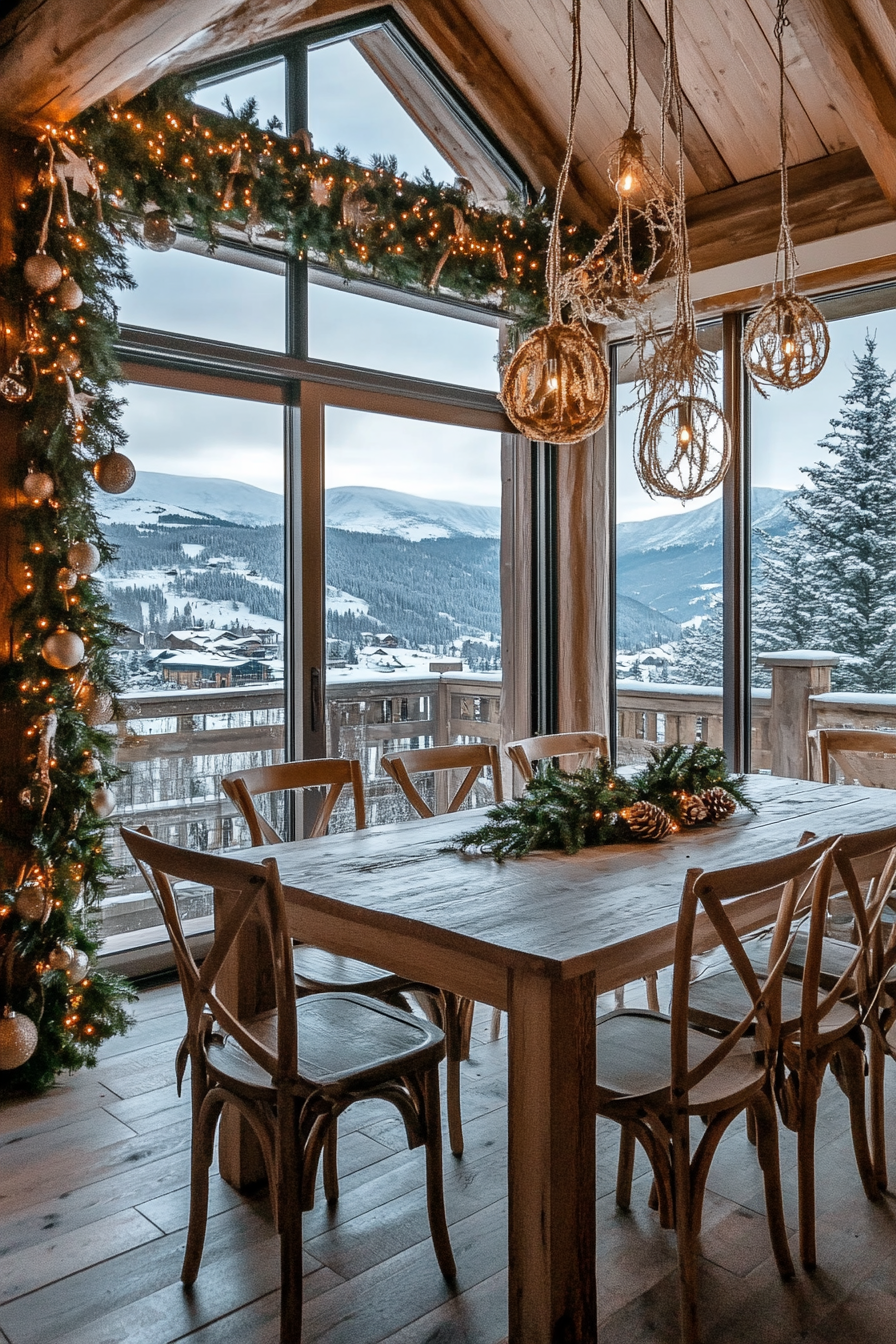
(684, 435)
(789, 346)
(626, 182)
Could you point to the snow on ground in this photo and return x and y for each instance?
(191, 549)
(344, 603)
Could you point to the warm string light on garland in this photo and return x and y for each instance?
(556, 387)
(786, 343)
(683, 444)
(55, 1008)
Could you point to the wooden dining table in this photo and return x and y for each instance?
(540, 937)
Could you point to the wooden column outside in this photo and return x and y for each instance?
(796, 675)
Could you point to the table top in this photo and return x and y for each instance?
(550, 913)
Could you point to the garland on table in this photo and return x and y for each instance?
(679, 787)
(55, 1005)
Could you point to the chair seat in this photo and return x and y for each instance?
(633, 1061)
(835, 959)
(346, 1041)
(718, 1002)
(316, 969)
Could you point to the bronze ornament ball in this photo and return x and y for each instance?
(69, 295)
(42, 273)
(79, 964)
(83, 557)
(66, 579)
(114, 473)
(64, 649)
(159, 234)
(556, 388)
(38, 486)
(31, 903)
(103, 801)
(786, 343)
(97, 707)
(68, 360)
(61, 957)
(18, 1039)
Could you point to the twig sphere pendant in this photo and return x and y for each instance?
(685, 449)
(786, 343)
(556, 388)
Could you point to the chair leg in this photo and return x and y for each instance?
(458, 1025)
(452, 1101)
(289, 1198)
(331, 1165)
(435, 1191)
(496, 1024)
(805, 1148)
(653, 993)
(876, 1066)
(751, 1127)
(625, 1168)
(852, 1064)
(765, 1124)
(206, 1111)
(685, 1232)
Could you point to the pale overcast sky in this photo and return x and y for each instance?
(184, 433)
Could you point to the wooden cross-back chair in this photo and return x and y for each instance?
(574, 750)
(333, 773)
(863, 756)
(474, 757)
(825, 987)
(290, 1071)
(655, 1072)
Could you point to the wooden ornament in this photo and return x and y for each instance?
(18, 1039)
(38, 487)
(557, 386)
(103, 801)
(786, 343)
(63, 649)
(69, 294)
(114, 473)
(42, 273)
(159, 234)
(83, 557)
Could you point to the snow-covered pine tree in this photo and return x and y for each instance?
(831, 581)
(699, 661)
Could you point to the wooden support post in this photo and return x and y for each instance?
(551, 1175)
(796, 675)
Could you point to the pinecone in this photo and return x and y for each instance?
(646, 821)
(692, 809)
(718, 803)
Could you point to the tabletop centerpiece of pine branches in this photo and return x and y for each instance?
(678, 788)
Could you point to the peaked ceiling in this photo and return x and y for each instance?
(510, 59)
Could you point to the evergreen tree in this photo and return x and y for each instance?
(831, 581)
(699, 661)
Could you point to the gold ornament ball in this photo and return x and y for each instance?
(786, 343)
(38, 486)
(89, 766)
(64, 649)
(66, 579)
(30, 904)
(42, 273)
(114, 473)
(69, 295)
(159, 234)
(96, 706)
(557, 386)
(103, 801)
(83, 557)
(79, 964)
(18, 1039)
(61, 957)
(68, 360)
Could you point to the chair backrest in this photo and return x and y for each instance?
(257, 892)
(243, 787)
(863, 756)
(472, 757)
(726, 896)
(583, 747)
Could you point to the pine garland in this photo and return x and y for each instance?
(598, 806)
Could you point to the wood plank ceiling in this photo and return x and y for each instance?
(510, 59)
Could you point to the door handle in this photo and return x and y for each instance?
(316, 706)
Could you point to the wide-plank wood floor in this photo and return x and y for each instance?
(94, 1199)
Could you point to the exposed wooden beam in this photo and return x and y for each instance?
(838, 46)
(831, 195)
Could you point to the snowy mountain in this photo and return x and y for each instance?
(160, 498)
(701, 527)
(364, 508)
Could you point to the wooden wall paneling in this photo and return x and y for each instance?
(806, 82)
(831, 195)
(516, 594)
(859, 82)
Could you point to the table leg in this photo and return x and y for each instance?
(551, 1165)
(245, 986)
